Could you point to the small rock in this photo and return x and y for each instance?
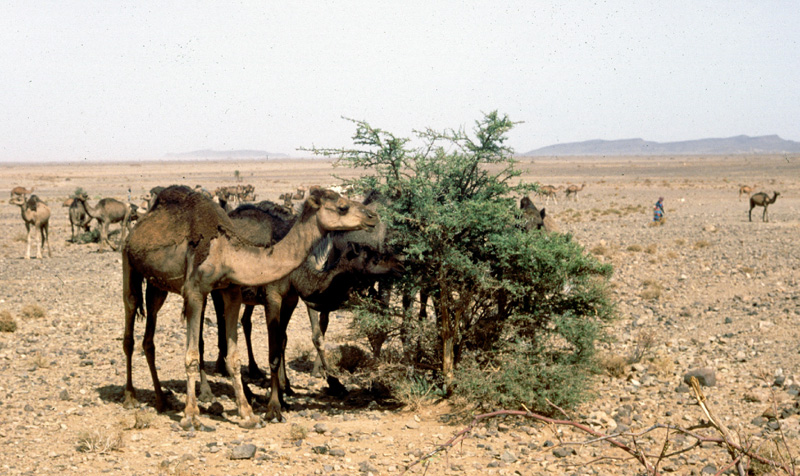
(508, 457)
(321, 428)
(563, 452)
(245, 451)
(338, 452)
(64, 395)
(705, 376)
(367, 467)
(216, 409)
(412, 425)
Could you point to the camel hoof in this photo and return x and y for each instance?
(254, 373)
(251, 422)
(273, 415)
(130, 402)
(191, 423)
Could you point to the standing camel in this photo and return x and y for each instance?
(36, 215)
(20, 191)
(745, 190)
(761, 199)
(339, 263)
(572, 191)
(106, 212)
(78, 217)
(187, 245)
(547, 192)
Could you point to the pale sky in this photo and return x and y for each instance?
(116, 80)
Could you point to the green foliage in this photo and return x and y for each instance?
(450, 204)
(79, 192)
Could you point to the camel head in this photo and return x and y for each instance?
(336, 213)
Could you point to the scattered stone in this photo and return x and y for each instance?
(367, 467)
(563, 452)
(64, 395)
(216, 409)
(508, 457)
(705, 376)
(321, 428)
(412, 425)
(245, 451)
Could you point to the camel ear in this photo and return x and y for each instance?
(541, 213)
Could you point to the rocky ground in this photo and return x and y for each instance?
(708, 290)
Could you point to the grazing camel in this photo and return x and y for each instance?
(106, 212)
(547, 192)
(36, 215)
(761, 199)
(339, 263)
(187, 245)
(534, 218)
(572, 191)
(78, 217)
(745, 190)
(20, 191)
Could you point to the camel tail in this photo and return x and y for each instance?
(132, 290)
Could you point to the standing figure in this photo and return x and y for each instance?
(658, 210)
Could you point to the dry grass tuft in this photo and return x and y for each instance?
(643, 343)
(747, 270)
(38, 361)
(651, 249)
(613, 364)
(7, 322)
(32, 311)
(701, 244)
(143, 420)
(680, 242)
(634, 248)
(100, 441)
(297, 432)
(652, 290)
(600, 250)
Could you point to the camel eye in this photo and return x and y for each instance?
(343, 209)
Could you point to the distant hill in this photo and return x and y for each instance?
(732, 145)
(226, 154)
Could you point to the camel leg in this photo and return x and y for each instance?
(222, 342)
(750, 214)
(28, 251)
(288, 305)
(46, 239)
(154, 299)
(206, 395)
(247, 326)
(132, 300)
(318, 330)
(233, 301)
(272, 308)
(192, 307)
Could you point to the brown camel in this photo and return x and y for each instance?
(338, 264)
(78, 217)
(761, 199)
(106, 212)
(36, 215)
(20, 191)
(534, 218)
(745, 190)
(189, 246)
(572, 191)
(547, 192)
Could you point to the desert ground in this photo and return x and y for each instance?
(707, 290)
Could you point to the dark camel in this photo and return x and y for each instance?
(78, 217)
(534, 218)
(761, 199)
(188, 245)
(324, 281)
(106, 212)
(36, 215)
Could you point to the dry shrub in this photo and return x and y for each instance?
(747, 270)
(613, 364)
(143, 420)
(634, 248)
(652, 290)
(680, 242)
(662, 365)
(297, 432)
(701, 244)
(672, 254)
(651, 249)
(100, 441)
(7, 322)
(600, 250)
(350, 358)
(38, 361)
(643, 343)
(32, 311)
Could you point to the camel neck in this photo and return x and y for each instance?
(259, 266)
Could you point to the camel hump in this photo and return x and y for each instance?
(33, 201)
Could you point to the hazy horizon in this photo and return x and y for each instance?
(96, 81)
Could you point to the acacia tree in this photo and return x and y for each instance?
(450, 204)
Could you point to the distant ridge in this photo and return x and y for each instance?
(226, 154)
(771, 144)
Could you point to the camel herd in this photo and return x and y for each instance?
(193, 243)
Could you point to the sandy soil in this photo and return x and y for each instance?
(709, 288)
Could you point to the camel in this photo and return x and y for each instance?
(106, 212)
(547, 192)
(78, 217)
(339, 263)
(36, 215)
(745, 190)
(572, 191)
(187, 245)
(534, 218)
(20, 191)
(761, 199)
